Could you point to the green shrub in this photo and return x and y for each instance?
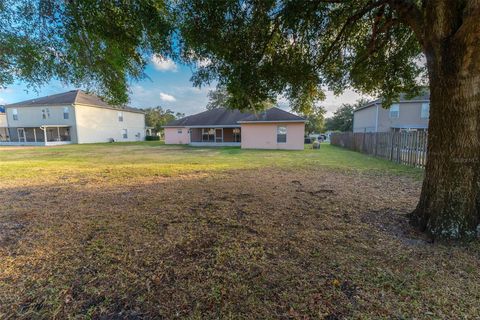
(152, 138)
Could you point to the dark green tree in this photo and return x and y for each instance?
(100, 45)
(217, 99)
(157, 117)
(259, 49)
(342, 119)
(315, 120)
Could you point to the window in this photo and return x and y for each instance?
(394, 111)
(179, 131)
(45, 113)
(120, 116)
(66, 113)
(208, 135)
(236, 135)
(281, 134)
(124, 133)
(15, 114)
(425, 111)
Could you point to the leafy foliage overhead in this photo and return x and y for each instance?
(101, 45)
(259, 49)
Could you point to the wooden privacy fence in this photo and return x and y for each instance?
(409, 148)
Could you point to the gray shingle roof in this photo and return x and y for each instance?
(225, 117)
(71, 97)
(273, 114)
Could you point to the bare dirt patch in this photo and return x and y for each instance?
(263, 243)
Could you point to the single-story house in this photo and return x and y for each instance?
(272, 129)
(405, 115)
(70, 117)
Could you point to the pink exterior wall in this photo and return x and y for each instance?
(264, 135)
(173, 137)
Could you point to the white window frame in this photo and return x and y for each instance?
(66, 113)
(15, 114)
(125, 133)
(279, 128)
(120, 116)
(425, 112)
(394, 111)
(179, 131)
(45, 113)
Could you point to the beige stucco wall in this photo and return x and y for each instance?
(100, 125)
(410, 117)
(173, 136)
(364, 120)
(32, 117)
(3, 120)
(264, 136)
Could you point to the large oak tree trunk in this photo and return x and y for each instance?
(449, 205)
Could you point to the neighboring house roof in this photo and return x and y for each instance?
(424, 97)
(71, 97)
(273, 115)
(226, 117)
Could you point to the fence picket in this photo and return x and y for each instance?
(409, 148)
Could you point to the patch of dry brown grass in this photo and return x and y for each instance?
(256, 243)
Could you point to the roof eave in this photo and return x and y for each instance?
(271, 121)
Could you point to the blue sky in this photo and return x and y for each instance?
(168, 86)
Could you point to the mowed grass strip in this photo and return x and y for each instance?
(126, 160)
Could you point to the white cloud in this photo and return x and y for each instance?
(167, 97)
(163, 64)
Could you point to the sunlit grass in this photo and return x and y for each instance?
(122, 160)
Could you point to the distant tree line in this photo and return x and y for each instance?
(157, 117)
(342, 119)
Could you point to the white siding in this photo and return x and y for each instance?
(100, 125)
(3, 120)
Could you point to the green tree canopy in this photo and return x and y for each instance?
(259, 49)
(315, 120)
(157, 117)
(342, 119)
(217, 99)
(101, 45)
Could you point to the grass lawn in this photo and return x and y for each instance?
(144, 230)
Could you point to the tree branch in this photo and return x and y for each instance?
(411, 15)
(352, 19)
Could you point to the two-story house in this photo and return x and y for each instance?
(405, 115)
(71, 117)
(3, 125)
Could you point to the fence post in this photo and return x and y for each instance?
(391, 145)
(363, 140)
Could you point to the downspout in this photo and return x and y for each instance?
(75, 124)
(376, 119)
